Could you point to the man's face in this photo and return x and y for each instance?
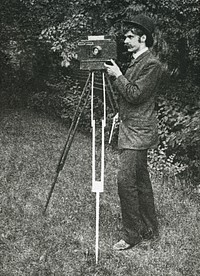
(132, 42)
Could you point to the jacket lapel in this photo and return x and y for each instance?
(134, 61)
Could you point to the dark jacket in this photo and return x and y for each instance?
(137, 88)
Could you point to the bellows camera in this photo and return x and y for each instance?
(94, 51)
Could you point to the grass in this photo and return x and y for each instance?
(62, 242)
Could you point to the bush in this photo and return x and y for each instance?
(62, 100)
(179, 129)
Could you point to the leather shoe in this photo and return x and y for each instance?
(121, 245)
(150, 235)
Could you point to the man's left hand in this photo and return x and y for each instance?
(113, 70)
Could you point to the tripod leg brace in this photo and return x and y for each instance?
(98, 186)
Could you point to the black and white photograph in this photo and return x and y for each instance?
(100, 138)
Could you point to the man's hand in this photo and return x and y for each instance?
(113, 70)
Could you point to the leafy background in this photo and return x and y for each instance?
(38, 96)
(38, 37)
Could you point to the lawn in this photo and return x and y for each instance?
(62, 243)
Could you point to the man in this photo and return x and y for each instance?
(137, 132)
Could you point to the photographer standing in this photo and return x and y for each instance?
(137, 132)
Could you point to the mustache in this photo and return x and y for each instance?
(127, 45)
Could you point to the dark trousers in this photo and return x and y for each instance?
(136, 196)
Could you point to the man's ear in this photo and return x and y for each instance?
(143, 38)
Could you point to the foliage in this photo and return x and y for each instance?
(179, 131)
(37, 36)
(60, 24)
(177, 24)
(62, 104)
(62, 100)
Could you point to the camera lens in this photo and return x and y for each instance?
(96, 50)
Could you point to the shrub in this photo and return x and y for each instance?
(178, 150)
(179, 129)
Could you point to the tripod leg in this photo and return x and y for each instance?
(64, 156)
(70, 140)
(50, 193)
(111, 96)
(74, 122)
(71, 134)
(114, 106)
(98, 186)
(97, 227)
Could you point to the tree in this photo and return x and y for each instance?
(36, 36)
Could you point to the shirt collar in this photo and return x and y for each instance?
(136, 55)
